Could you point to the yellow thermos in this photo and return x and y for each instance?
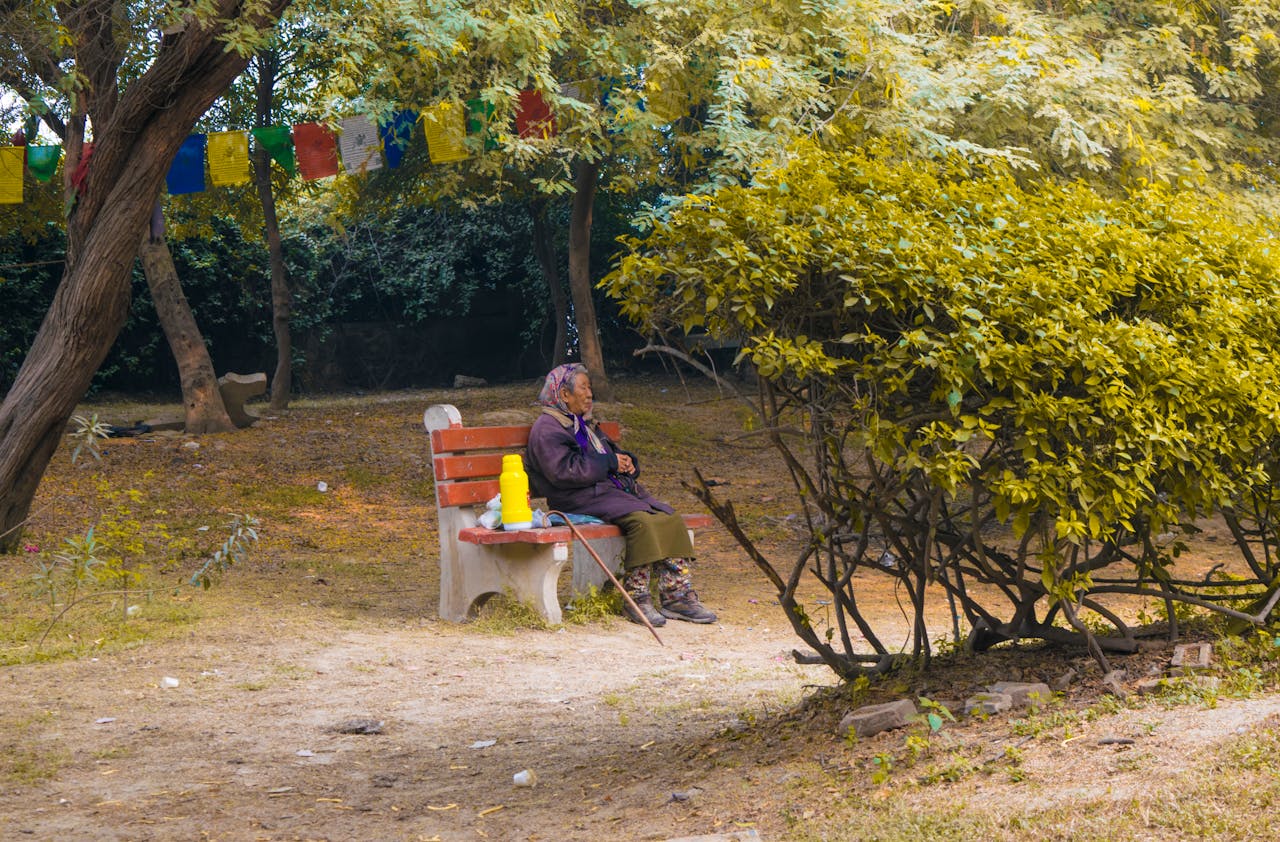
(513, 484)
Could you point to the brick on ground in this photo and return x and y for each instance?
(1024, 693)
(872, 719)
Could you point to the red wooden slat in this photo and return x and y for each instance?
(478, 438)
(470, 466)
(466, 493)
(557, 534)
(494, 438)
(547, 535)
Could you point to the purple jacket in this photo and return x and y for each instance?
(577, 481)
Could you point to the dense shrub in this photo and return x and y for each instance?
(1013, 391)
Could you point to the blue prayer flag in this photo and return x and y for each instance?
(396, 135)
(186, 173)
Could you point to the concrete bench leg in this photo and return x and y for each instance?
(528, 572)
(586, 573)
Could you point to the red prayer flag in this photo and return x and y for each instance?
(81, 172)
(533, 116)
(317, 150)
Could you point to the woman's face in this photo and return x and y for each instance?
(579, 400)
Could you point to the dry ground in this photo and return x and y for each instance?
(333, 619)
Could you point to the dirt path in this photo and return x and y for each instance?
(245, 747)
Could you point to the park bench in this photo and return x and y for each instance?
(477, 562)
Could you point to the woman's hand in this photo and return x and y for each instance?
(625, 465)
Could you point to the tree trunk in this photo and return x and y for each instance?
(281, 294)
(544, 250)
(584, 310)
(136, 138)
(201, 400)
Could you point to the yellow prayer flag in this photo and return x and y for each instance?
(11, 174)
(228, 158)
(446, 128)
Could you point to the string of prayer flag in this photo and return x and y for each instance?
(186, 173)
(317, 150)
(312, 149)
(360, 144)
(228, 158)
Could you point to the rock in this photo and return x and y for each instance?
(1192, 656)
(872, 719)
(238, 388)
(1023, 693)
(1065, 680)
(749, 835)
(1149, 686)
(988, 703)
(462, 381)
(359, 726)
(1112, 682)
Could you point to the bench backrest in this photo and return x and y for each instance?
(467, 461)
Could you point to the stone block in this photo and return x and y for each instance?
(988, 703)
(238, 388)
(1024, 693)
(464, 381)
(1149, 686)
(1192, 656)
(1065, 680)
(872, 719)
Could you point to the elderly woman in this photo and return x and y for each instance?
(578, 469)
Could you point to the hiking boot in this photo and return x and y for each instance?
(687, 608)
(646, 607)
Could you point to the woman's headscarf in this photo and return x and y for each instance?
(560, 377)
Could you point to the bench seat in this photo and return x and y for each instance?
(558, 534)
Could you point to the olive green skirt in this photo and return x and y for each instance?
(653, 536)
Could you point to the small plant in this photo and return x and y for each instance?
(234, 550)
(85, 437)
(935, 714)
(882, 767)
(71, 568)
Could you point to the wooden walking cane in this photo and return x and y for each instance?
(609, 573)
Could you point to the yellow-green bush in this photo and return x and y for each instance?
(1009, 384)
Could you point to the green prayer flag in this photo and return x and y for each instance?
(279, 145)
(42, 161)
(479, 113)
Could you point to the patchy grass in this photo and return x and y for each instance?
(24, 765)
(503, 614)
